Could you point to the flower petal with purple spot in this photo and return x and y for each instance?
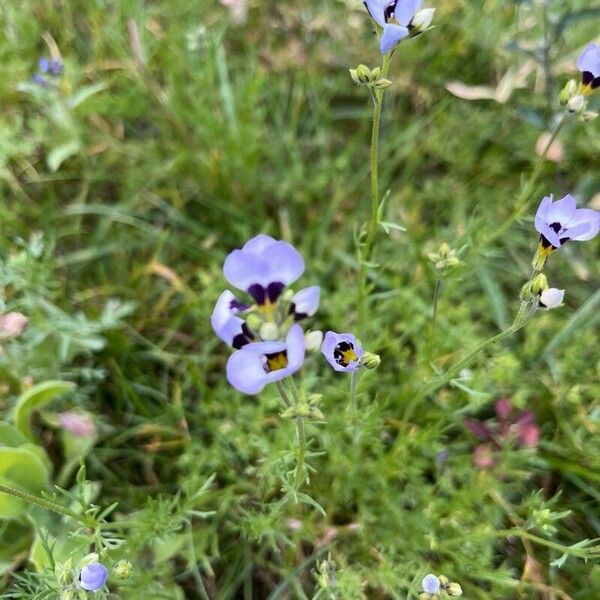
(305, 303)
(589, 60)
(263, 267)
(228, 327)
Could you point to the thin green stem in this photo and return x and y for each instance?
(301, 435)
(352, 407)
(524, 197)
(439, 284)
(284, 397)
(525, 313)
(47, 504)
(366, 252)
(503, 533)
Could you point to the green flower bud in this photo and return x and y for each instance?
(361, 75)
(314, 399)
(123, 569)
(568, 92)
(253, 321)
(370, 361)
(444, 582)
(381, 84)
(67, 595)
(454, 589)
(588, 115)
(539, 284)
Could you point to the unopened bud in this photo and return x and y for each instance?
(123, 569)
(314, 399)
(551, 298)
(422, 20)
(361, 75)
(370, 360)
(444, 581)
(253, 321)
(269, 331)
(539, 284)
(313, 340)
(568, 92)
(454, 589)
(381, 84)
(588, 115)
(576, 104)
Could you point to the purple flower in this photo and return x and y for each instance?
(93, 577)
(229, 327)
(589, 65)
(50, 66)
(260, 363)
(305, 303)
(561, 221)
(395, 16)
(263, 268)
(76, 424)
(342, 351)
(430, 584)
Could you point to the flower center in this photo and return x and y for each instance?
(344, 354)
(276, 361)
(389, 10)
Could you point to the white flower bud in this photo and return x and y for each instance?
(269, 332)
(576, 104)
(422, 19)
(551, 298)
(313, 340)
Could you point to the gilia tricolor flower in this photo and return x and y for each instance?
(273, 346)
(260, 363)
(551, 298)
(560, 222)
(342, 351)
(398, 18)
(589, 65)
(93, 577)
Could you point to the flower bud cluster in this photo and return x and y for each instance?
(370, 78)
(445, 259)
(434, 586)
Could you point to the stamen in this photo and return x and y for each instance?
(344, 354)
(276, 361)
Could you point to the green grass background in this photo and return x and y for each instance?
(203, 133)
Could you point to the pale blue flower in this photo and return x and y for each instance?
(260, 363)
(561, 221)
(93, 577)
(430, 584)
(342, 351)
(589, 65)
(395, 17)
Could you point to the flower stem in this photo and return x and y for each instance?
(524, 315)
(47, 504)
(352, 404)
(439, 284)
(523, 199)
(301, 435)
(366, 252)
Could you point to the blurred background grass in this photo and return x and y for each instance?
(194, 132)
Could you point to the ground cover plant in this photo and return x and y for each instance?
(299, 300)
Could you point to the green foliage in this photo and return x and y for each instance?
(173, 136)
